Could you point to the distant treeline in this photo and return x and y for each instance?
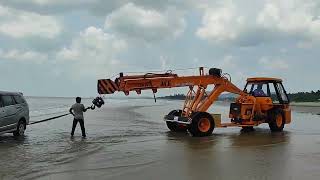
(305, 96)
(174, 97)
(294, 97)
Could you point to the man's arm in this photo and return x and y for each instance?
(71, 112)
(84, 109)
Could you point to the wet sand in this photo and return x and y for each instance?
(306, 109)
(129, 140)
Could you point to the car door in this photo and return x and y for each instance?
(9, 120)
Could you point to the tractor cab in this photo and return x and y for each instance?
(266, 102)
(267, 88)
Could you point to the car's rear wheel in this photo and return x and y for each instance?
(20, 129)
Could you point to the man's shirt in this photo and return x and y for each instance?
(78, 110)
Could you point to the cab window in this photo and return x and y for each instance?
(274, 95)
(258, 89)
(282, 93)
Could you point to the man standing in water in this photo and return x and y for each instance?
(77, 111)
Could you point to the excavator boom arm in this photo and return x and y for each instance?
(198, 100)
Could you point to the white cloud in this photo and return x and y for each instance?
(23, 56)
(19, 24)
(231, 21)
(230, 64)
(305, 44)
(60, 2)
(290, 16)
(279, 30)
(96, 7)
(57, 5)
(221, 23)
(147, 24)
(227, 62)
(93, 52)
(3, 11)
(273, 63)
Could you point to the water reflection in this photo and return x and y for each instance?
(14, 153)
(259, 137)
(235, 155)
(8, 140)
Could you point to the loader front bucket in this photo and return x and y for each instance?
(107, 86)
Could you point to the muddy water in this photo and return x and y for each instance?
(127, 139)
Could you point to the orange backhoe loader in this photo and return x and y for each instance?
(264, 100)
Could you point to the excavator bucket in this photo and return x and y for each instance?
(107, 86)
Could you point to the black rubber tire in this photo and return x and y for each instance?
(194, 128)
(21, 127)
(273, 115)
(173, 126)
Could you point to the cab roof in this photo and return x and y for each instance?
(263, 79)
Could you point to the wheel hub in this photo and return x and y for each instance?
(279, 121)
(21, 129)
(204, 125)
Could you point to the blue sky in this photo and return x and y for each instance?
(61, 48)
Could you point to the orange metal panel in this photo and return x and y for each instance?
(287, 115)
(255, 79)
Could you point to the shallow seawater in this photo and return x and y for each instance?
(127, 139)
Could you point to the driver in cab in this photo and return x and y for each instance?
(259, 91)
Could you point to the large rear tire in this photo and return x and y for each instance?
(202, 124)
(276, 120)
(174, 126)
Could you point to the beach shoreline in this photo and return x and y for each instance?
(129, 140)
(306, 109)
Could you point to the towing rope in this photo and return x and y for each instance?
(48, 119)
(47, 114)
(97, 102)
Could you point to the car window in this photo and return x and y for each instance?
(19, 99)
(14, 101)
(7, 100)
